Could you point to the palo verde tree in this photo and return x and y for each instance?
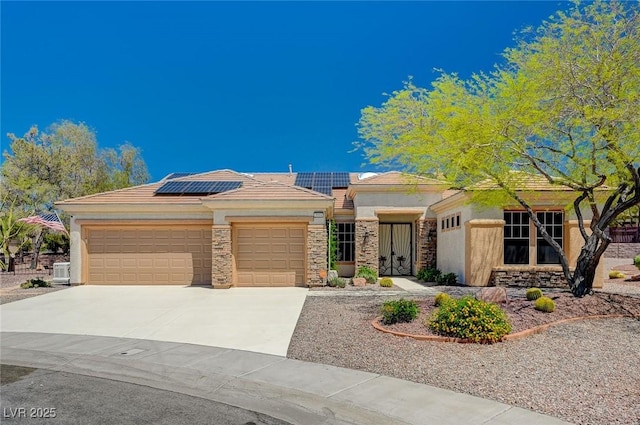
(564, 106)
(64, 162)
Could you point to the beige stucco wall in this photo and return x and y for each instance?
(366, 203)
(483, 250)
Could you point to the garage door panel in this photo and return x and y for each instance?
(149, 256)
(269, 255)
(280, 248)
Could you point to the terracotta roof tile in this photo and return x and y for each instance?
(342, 202)
(397, 178)
(270, 191)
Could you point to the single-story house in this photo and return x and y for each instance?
(224, 228)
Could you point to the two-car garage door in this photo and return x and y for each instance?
(269, 254)
(265, 254)
(165, 255)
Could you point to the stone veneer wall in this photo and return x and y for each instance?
(527, 276)
(222, 258)
(316, 254)
(622, 250)
(367, 252)
(427, 243)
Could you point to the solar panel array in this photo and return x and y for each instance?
(323, 182)
(178, 175)
(197, 187)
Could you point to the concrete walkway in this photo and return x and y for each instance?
(295, 391)
(253, 319)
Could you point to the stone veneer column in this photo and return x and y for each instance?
(427, 243)
(367, 249)
(316, 254)
(221, 257)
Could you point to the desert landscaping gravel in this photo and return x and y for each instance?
(585, 372)
(10, 286)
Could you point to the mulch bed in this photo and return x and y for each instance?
(523, 316)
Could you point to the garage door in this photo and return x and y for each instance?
(269, 255)
(149, 255)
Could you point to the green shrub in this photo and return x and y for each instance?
(441, 298)
(399, 311)
(35, 283)
(534, 293)
(615, 274)
(428, 274)
(450, 279)
(336, 282)
(636, 261)
(386, 282)
(472, 319)
(545, 304)
(370, 275)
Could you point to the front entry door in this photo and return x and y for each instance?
(395, 249)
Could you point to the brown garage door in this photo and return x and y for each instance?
(149, 255)
(269, 255)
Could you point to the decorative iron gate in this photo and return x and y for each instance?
(396, 255)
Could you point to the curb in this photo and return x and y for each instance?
(511, 337)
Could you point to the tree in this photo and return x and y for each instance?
(11, 230)
(65, 162)
(564, 106)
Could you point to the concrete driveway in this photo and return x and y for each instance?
(252, 319)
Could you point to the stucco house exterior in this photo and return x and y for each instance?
(224, 228)
(487, 246)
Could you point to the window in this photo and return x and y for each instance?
(552, 222)
(516, 237)
(346, 241)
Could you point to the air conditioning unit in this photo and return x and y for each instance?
(62, 273)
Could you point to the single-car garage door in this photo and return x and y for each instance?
(167, 255)
(269, 254)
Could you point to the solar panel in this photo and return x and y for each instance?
(320, 181)
(172, 188)
(340, 180)
(197, 187)
(178, 175)
(324, 189)
(304, 180)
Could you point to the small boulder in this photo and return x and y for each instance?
(493, 294)
(359, 281)
(333, 274)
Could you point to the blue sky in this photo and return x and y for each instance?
(249, 86)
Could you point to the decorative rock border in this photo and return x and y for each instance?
(510, 337)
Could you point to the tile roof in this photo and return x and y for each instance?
(342, 202)
(523, 181)
(273, 190)
(397, 178)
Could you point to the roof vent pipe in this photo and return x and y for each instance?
(290, 169)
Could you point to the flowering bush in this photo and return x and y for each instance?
(471, 319)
